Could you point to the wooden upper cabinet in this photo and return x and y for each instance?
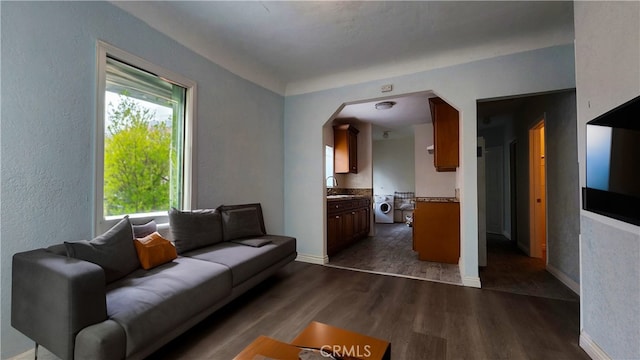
(345, 149)
(445, 135)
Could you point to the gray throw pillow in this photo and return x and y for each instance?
(140, 231)
(252, 242)
(194, 229)
(114, 251)
(241, 221)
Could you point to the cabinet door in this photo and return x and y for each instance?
(445, 135)
(362, 222)
(436, 227)
(345, 149)
(353, 152)
(334, 233)
(348, 228)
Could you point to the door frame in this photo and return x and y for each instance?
(536, 240)
(513, 189)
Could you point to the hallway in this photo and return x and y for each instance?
(511, 270)
(390, 252)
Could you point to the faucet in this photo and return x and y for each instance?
(335, 181)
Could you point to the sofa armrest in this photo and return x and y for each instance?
(54, 297)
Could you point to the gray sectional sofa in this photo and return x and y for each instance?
(110, 308)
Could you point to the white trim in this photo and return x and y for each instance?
(618, 224)
(393, 274)
(582, 306)
(468, 281)
(506, 234)
(313, 259)
(100, 223)
(471, 281)
(574, 286)
(43, 354)
(591, 348)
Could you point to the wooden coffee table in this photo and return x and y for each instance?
(266, 347)
(345, 344)
(342, 343)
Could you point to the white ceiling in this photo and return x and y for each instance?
(293, 47)
(297, 46)
(398, 121)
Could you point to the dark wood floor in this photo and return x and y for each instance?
(510, 269)
(421, 319)
(390, 251)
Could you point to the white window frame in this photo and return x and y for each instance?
(329, 166)
(101, 222)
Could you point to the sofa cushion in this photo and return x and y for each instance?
(154, 250)
(148, 304)
(252, 242)
(246, 261)
(142, 230)
(195, 229)
(113, 251)
(241, 221)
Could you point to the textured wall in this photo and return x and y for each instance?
(563, 201)
(607, 75)
(48, 121)
(460, 85)
(611, 288)
(393, 166)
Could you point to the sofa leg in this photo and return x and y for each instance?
(35, 356)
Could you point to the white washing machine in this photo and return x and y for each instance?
(383, 209)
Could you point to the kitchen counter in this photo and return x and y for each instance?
(346, 197)
(437, 199)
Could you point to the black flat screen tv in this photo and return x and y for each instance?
(613, 164)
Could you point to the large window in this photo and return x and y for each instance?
(144, 139)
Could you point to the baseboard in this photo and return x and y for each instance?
(469, 281)
(526, 251)
(43, 354)
(591, 348)
(313, 259)
(574, 286)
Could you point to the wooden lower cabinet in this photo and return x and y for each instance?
(436, 231)
(348, 221)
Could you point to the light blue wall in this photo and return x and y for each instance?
(48, 120)
(460, 85)
(562, 184)
(607, 75)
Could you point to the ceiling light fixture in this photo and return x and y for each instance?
(385, 134)
(385, 105)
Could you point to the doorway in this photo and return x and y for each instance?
(513, 187)
(537, 192)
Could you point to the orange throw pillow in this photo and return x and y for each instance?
(154, 250)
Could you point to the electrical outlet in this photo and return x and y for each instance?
(386, 88)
